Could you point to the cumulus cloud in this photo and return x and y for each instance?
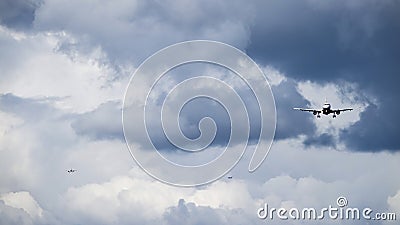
(343, 95)
(39, 145)
(10, 215)
(22, 208)
(295, 183)
(33, 67)
(65, 65)
(334, 41)
(24, 201)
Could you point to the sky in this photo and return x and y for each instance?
(65, 66)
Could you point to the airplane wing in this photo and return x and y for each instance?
(342, 110)
(309, 110)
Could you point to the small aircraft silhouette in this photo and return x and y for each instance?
(230, 177)
(326, 110)
(71, 171)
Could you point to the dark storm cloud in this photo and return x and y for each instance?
(144, 28)
(289, 122)
(306, 40)
(17, 13)
(378, 130)
(320, 140)
(325, 41)
(330, 41)
(102, 123)
(190, 117)
(141, 28)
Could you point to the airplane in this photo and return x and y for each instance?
(230, 177)
(326, 110)
(71, 171)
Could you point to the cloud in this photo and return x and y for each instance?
(28, 109)
(22, 208)
(291, 123)
(291, 177)
(376, 132)
(10, 215)
(18, 14)
(68, 51)
(102, 123)
(65, 65)
(285, 91)
(394, 203)
(39, 145)
(342, 95)
(33, 67)
(142, 28)
(190, 213)
(321, 140)
(24, 201)
(338, 41)
(118, 200)
(98, 194)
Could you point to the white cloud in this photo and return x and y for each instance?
(120, 200)
(122, 196)
(290, 177)
(274, 76)
(342, 95)
(394, 203)
(23, 200)
(15, 161)
(39, 70)
(10, 215)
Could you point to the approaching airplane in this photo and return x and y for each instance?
(326, 110)
(71, 171)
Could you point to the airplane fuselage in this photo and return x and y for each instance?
(326, 109)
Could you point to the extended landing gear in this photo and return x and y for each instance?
(318, 116)
(334, 115)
